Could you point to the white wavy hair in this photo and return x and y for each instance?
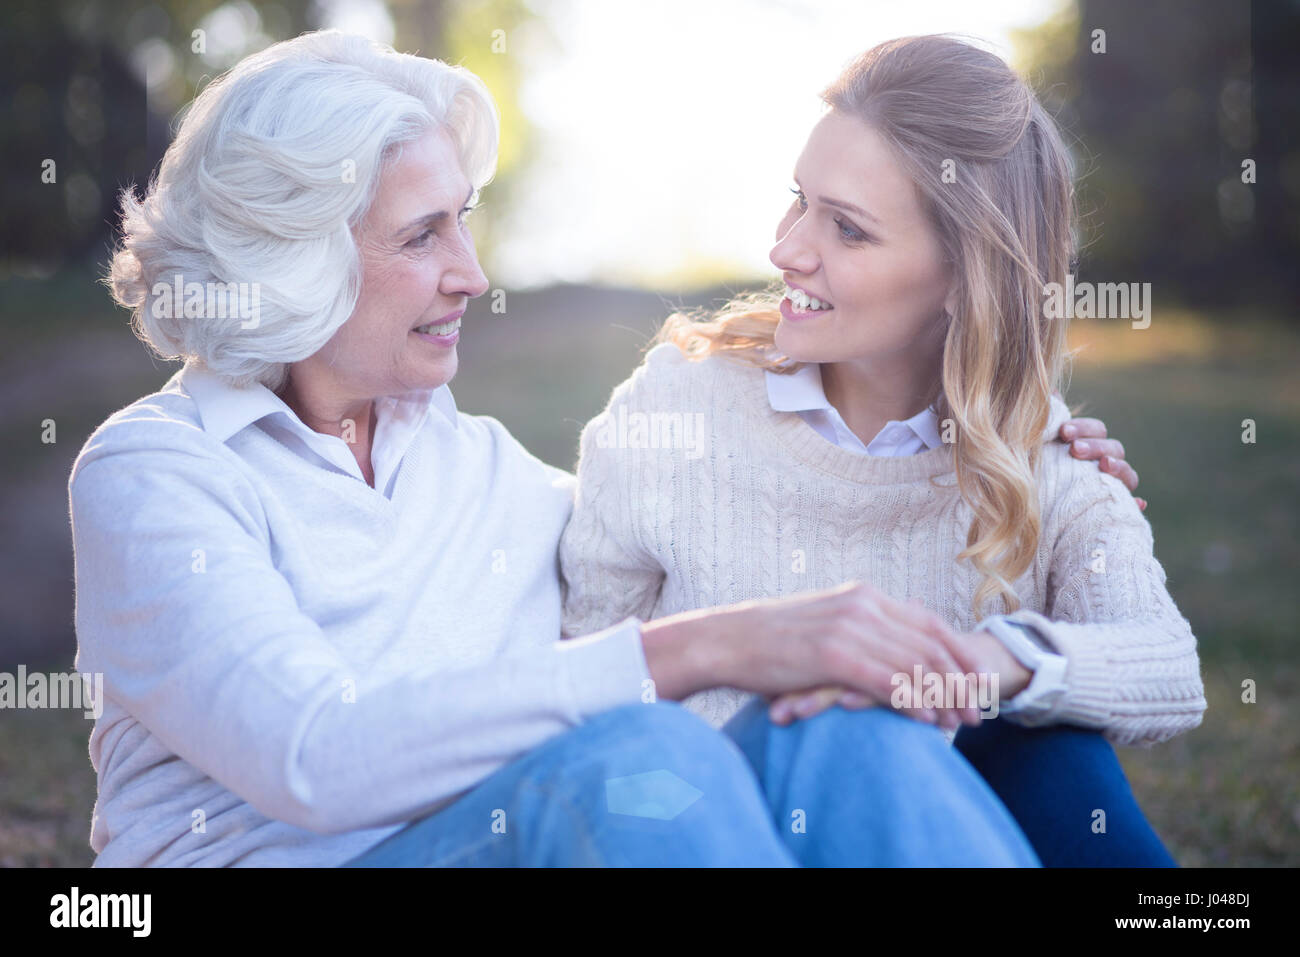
(273, 166)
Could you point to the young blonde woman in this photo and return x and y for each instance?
(887, 418)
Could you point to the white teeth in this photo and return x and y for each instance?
(441, 329)
(802, 302)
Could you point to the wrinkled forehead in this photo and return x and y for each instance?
(423, 178)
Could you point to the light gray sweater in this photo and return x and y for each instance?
(296, 664)
(694, 492)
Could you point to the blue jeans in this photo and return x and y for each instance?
(1054, 780)
(655, 785)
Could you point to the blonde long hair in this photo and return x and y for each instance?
(1006, 225)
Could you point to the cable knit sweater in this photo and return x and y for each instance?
(694, 492)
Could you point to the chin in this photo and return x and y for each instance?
(430, 375)
(802, 347)
(446, 371)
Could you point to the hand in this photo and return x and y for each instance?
(1088, 442)
(853, 637)
(987, 654)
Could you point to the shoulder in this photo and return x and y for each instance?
(158, 445)
(166, 420)
(1074, 490)
(668, 379)
(490, 437)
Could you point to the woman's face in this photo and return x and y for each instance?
(419, 269)
(857, 240)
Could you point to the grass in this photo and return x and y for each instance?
(1224, 514)
(47, 786)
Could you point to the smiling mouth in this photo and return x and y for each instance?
(440, 328)
(801, 302)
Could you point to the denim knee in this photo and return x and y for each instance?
(931, 806)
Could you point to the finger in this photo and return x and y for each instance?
(818, 701)
(856, 701)
(1083, 429)
(939, 646)
(1142, 503)
(962, 662)
(1093, 449)
(904, 690)
(796, 705)
(1128, 475)
(904, 647)
(881, 661)
(781, 710)
(1121, 470)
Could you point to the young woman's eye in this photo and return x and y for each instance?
(851, 233)
(800, 199)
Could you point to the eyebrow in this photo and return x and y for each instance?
(849, 207)
(432, 219)
(841, 204)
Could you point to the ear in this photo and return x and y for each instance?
(950, 298)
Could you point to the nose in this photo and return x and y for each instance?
(463, 275)
(793, 252)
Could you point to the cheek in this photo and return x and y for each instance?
(405, 287)
(889, 281)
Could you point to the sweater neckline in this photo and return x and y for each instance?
(791, 432)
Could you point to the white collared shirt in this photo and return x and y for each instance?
(225, 411)
(802, 392)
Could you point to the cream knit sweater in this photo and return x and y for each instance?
(693, 492)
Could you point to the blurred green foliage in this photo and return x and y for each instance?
(96, 86)
(1162, 102)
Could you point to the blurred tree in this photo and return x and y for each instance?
(1164, 119)
(491, 39)
(95, 85)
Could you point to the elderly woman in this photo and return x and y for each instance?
(326, 604)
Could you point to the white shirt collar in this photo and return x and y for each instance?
(226, 410)
(802, 392)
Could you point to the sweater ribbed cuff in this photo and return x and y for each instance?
(1089, 694)
(605, 669)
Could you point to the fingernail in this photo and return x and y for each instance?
(1071, 431)
(780, 713)
(1082, 448)
(928, 716)
(804, 707)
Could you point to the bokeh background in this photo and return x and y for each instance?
(646, 150)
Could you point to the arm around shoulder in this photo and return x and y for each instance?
(1133, 669)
